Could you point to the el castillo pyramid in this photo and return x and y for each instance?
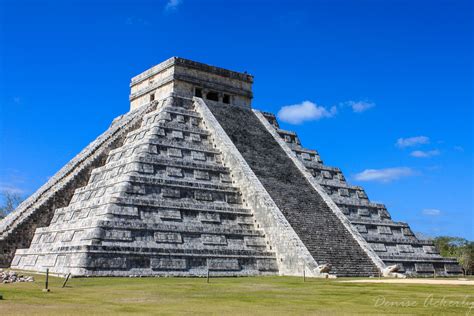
(191, 180)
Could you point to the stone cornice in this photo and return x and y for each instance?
(191, 64)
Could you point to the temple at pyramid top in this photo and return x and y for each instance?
(188, 78)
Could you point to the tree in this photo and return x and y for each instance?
(466, 258)
(460, 248)
(449, 246)
(10, 202)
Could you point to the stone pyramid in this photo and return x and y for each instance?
(193, 180)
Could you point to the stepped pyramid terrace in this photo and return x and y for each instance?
(193, 179)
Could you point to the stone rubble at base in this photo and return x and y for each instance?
(13, 277)
(175, 188)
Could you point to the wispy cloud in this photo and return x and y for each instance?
(172, 5)
(459, 148)
(431, 212)
(10, 188)
(12, 181)
(304, 111)
(358, 106)
(425, 154)
(384, 175)
(17, 100)
(412, 141)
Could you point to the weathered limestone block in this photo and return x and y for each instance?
(223, 264)
(168, 264)
(170, 214)
(174, 152)
(197, 155)
(209, 217)
(170, 192)
(213, 239)
(115, 234)
(201, 175)
(266, 265)
(168, 237)
(378, 247)
(254, 242)
(405, 248)
(424, 267)
(203, 196)
(174, 172)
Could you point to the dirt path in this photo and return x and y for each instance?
(415, 281)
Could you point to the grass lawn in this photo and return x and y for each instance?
(224, 296)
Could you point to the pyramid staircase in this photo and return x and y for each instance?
(322, 232)
(162, 204)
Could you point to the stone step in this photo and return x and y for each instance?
(182, 111)
(229, 253)
(183, 205)
(378, 222)
(125, 263)
(356, 203)
(437, 259)
(163, 143)
(156, 180)
(165, 215)
(163, 188)
(210, 226)
(396, 240)
(157, 133)
(319, 166)
(152, 128)
(163, 167)
(182, 127)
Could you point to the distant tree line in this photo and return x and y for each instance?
(460, 248)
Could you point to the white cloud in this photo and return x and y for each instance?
(412, 141)
(304, 111)
(359, 106)
(425, 154)
(384, 175)
(459, 148)
(172, 5)
(431, 212)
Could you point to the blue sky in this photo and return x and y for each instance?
(382, 89)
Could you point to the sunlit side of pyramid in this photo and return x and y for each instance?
(193, 180)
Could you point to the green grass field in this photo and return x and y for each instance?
(224, 296)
